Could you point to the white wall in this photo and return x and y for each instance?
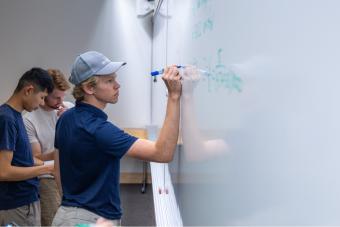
(159, 61)
(49, 33)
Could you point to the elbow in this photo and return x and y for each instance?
(165, 154)
(165, 160)
(166, 157)
(170, 158)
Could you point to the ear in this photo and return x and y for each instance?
(28, 90)
(88, 89)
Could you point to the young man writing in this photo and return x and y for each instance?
(90, 147)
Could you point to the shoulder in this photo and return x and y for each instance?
(96, 125)
(34, 117)
(6, 115)
(102, 129)
(110, 131)
(7, 119)
(107, 125)
(80, 119)
(8, 122)
(67, 115)
(29, 116)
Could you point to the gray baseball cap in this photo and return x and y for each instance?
(92, 63)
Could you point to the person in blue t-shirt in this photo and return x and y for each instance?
(89, 147)
(18, 169)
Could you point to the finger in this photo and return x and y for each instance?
(167, 74)
(176, 75)
(172, 73)
(166, 70)
(172, 68)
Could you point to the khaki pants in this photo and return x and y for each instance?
(71, 216)
(49, 200)
(22, 216)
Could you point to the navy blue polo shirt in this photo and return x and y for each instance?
(13, 138)
(90, 149)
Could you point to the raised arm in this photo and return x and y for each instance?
(163, 149)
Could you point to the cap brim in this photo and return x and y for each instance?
(110, 68)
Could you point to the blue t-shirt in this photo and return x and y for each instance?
(13, 137)
(90, 149)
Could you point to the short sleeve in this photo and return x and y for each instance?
(113, 140)
(31, 132)
(8, 134)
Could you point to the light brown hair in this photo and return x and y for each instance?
(59, 80)
(78, 91)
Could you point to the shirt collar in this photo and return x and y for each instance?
(92, 109)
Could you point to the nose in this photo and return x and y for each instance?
(42, 102)
(117, 85)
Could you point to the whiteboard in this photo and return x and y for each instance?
(261, 130)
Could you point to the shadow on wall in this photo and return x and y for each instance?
(145, 17)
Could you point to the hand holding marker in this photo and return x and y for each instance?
(160, 72)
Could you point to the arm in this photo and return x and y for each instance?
(37, 162)
(163, 149)
(57, 170)
(36, 149)
(15, 173)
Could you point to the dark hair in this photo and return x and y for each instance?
(37, 77)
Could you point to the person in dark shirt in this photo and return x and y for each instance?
(89, 147)
(19, 199)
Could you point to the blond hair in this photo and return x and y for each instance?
(78, 91)
(59, 80)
